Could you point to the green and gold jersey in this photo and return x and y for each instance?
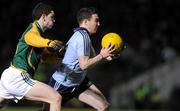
(29, 49)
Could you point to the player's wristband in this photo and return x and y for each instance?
(101, 56)
(49, 43)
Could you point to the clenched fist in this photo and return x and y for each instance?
(56, 45)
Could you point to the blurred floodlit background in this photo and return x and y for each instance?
(147, 73)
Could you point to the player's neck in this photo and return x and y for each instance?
(40, 22)
(86, 27)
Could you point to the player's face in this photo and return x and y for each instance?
(49, 20)
(93, 23)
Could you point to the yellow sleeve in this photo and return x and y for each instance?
(33, 38)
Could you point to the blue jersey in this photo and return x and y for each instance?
(70, 73)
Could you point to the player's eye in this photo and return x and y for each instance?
(52, 17)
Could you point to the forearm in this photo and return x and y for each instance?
(87, 62)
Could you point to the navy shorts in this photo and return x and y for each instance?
(68, 93)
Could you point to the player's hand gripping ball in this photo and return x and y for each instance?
(115, 40)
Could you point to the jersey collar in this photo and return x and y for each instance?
(39, 26)
(80, 28)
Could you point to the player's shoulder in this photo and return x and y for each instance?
(81, 31)
(77, 36)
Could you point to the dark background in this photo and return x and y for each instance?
(148, 27)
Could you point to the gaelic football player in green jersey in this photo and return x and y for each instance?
(16, 81)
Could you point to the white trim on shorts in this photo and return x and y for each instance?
(15, 84)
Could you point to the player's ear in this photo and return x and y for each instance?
(43, 17)
(86, 21)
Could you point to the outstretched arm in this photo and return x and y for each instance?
(34, 39)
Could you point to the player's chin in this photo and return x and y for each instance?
(50, 26)
(94, 31)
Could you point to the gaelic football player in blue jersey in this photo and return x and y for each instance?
(70, 80)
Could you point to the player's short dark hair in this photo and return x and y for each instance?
(86, 13)
(39, 9)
